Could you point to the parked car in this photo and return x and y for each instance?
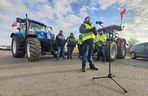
(140, 50)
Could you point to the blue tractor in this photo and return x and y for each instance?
(32, 39)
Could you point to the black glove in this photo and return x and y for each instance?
(93, 29)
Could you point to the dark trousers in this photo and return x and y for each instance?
(70, 52)
(87, 51)
(80, 51)
(101, 51)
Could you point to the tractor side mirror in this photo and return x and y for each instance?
(117, 35)
(49, 29)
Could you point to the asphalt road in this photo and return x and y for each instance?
(49, 77)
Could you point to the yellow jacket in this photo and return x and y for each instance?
(101, 38)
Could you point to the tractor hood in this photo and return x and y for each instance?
(44, 35)
(112, 28)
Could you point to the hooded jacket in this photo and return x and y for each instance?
(60, 40)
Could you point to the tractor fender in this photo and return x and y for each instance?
(119, 42)
(12, 34)
(32, 36)
(18, 35)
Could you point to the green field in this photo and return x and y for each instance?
(75, 50)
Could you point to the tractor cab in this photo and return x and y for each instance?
(32, 27)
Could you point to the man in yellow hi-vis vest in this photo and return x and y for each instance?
(101, 44)
(88, 35)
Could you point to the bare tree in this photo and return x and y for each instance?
(132, 42)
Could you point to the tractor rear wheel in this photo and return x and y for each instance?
(121, 53)
(33, 48)
(16, 49)
(113, 51)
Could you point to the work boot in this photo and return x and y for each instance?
(92, 67)
(104, 61)
(83, 68)
(67, 57)
(70, 57)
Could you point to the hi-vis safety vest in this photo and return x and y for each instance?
(89, 35)
(101, 38)
(79, 42)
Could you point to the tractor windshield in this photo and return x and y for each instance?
(36, 27)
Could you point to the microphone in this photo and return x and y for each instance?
(99, 22)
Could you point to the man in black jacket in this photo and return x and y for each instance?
(60, 42)
(71, 43)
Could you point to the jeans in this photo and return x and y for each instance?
(87, 51)
(101, 50)
(60, 52)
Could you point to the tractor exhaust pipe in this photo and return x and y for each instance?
(26, 21)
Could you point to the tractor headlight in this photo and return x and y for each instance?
(48, 36)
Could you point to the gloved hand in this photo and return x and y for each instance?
(94, 30)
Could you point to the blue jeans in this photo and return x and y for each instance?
(87, 51)
(101, 50)
(60, 52)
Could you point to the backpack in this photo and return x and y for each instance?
(71, 41)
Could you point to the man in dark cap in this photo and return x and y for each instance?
(88, 38)
(71, 43)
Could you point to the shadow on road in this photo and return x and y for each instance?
(8, 60)
(142, 59)
(37, 74)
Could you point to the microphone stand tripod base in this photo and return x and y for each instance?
(110, 76)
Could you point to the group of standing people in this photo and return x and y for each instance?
(60, 43)
(86, 42)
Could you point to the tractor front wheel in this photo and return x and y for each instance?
(33, 48)
(17, 48)
(113, 51)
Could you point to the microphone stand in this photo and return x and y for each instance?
(110, 76)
